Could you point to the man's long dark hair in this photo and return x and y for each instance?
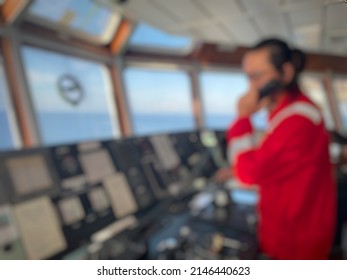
(281, 53)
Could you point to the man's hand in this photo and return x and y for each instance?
(223, 175)
(249, 103)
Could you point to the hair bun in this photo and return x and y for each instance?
(298, 60)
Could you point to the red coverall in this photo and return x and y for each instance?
(291, 166)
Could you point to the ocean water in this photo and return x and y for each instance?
(70, 128)
(59, 128)
(144, 124)
(148, 124)
(218, 121)
(56, 128)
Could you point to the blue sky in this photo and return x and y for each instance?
(221, 91)
(157, 91)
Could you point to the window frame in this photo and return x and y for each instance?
(322, 76)
(11, 114)
(71, 51)
(334, 76)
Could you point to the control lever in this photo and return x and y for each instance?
(219, 242)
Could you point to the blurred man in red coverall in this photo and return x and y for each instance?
(291, 163)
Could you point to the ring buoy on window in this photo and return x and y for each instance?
(70, 89)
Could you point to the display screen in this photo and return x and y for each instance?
(98, 199)
(97, 165)
(66, 161)
(39, 228)
(165, 151)
(71, 210)
(29, 173)
(121, 196)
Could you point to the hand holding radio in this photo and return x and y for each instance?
(270, 89)
(254, 99)
(248, 103)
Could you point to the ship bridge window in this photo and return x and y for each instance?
(159, 100)
(72, 97)
(312, 85)
(85, 19)
(221, 91)
(148, 38)
(7, 129)
(340, 88)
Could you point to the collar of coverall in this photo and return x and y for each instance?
(289, 97)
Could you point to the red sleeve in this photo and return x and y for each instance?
(240, 127)
(253, 163)
(236, 135)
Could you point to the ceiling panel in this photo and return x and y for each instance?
(336, 16)
(184, 10)
(216, 33)
(221, 8)
(302, 5)
(304, 17)
(244, 22)
(143, 10)
(272, 25)
(244, 32)
(259, 6)
(308, 36)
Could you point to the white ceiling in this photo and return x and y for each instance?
(316, 25)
